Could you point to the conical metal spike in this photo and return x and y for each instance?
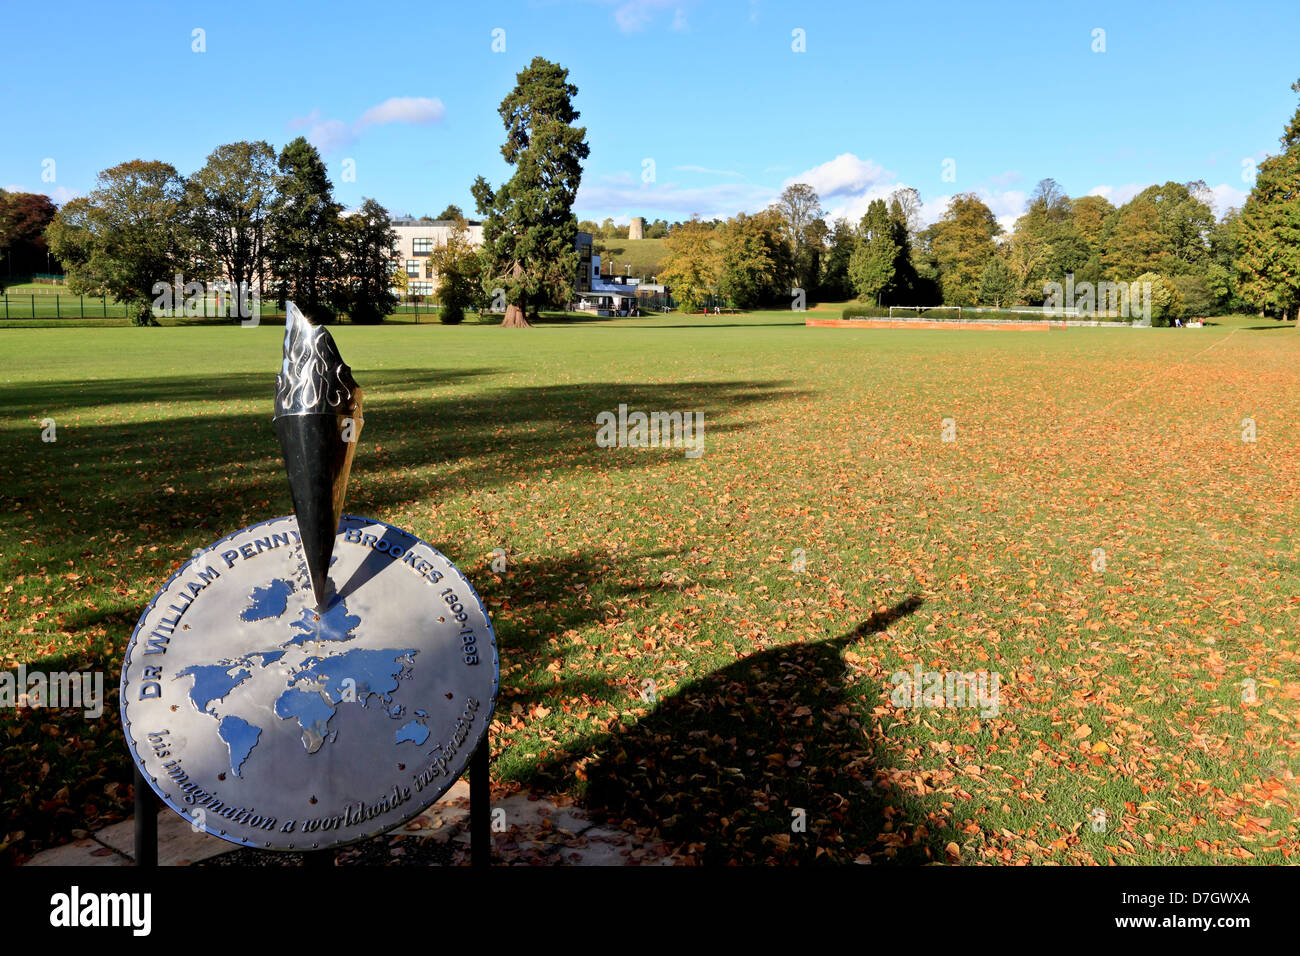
(318, 420)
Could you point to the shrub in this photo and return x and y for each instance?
(864, 312)
(1198, 300)
(1166, 300)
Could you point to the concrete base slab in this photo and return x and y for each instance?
(537, 831)
(178, 844)
(86, 852)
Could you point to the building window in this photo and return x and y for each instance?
(413, 268)
(422, 247)
(420, 288)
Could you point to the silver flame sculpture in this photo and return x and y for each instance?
(318, 421)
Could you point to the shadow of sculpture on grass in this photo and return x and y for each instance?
(765, 760)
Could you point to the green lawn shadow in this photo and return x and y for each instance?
(729, 764)
(144, 486)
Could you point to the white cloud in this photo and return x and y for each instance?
(301, 122)
(1227, 197)
(329, 135)
(1118, 195)
(932, 210)
(844, 174)
(857, 182)
(632, 16)
(60, 194)
(420, 110)
(856, 206)
(1008, 205)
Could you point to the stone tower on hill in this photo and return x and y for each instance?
(636, 228)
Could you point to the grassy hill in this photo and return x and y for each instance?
(644, 255)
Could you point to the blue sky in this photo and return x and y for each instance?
(702, 106)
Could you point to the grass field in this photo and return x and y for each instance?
(709, 646)
(40, 288)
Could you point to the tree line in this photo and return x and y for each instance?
(1167, 235)
(249, 218)
(264, 222)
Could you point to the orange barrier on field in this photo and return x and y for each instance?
(927, 324)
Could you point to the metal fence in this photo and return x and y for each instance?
(46, 305)
(57, 305)
(417, 306)
(52, 305)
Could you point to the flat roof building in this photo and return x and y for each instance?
(603, 295)
(417, 239)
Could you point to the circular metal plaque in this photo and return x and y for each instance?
(274, 725)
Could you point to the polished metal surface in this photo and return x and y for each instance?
(276, 724)
(318, 421)
(313, 378)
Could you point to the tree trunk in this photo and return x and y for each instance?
(515, 318)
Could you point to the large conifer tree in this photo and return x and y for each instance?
(304, 227)
(1268, 233)
(528, 236)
